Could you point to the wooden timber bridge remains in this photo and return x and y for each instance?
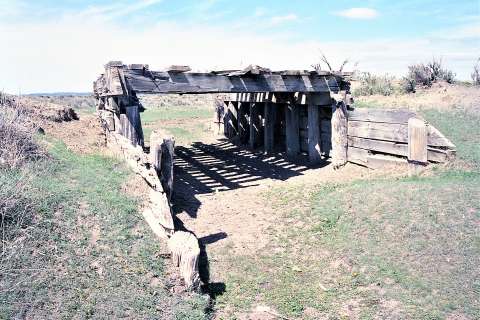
(293, 112)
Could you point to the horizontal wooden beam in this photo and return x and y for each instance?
(119, 79)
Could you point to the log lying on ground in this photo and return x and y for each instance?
(185, 254)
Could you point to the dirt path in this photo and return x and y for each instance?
(220, 191)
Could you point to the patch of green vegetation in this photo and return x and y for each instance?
(87, 252)
(384, 248)
(153, 115)
(462, 128)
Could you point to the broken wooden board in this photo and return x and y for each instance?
(398, 148)
(394, 132)
(374, 161)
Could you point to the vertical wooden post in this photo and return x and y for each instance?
(218, 116)
(339, 134)
(243, 129)
(314, 150)
(134, 130)
(269, 133)
(254, 125)
(292, 119)
(417, 141)
(233, 118)
(162, 154)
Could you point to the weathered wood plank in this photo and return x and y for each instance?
(400, 116)
(339, 134)
(417, 140)
(397, 148)
(394, 132)
(270, 114)
(165, 82)
(314, 150)
(243, 122)
(292, 130)
(255, 139)
(134, 130)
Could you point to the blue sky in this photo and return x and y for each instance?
(62, 45)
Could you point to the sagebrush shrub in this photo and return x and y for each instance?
(426, 74)
(17, 138)
(371, 84)
(476, 73)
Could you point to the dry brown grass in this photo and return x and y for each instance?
(17, 137)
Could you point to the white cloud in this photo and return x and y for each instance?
(259, 12)
(282, 19)
(77, 47)
(358, 13)
(108, 12)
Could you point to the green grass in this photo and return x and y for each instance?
(154, 115)
(187, 126)
(385, 248)
(87, 253)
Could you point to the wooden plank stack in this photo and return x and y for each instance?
(377, 137)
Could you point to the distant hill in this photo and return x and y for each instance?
(60, 94)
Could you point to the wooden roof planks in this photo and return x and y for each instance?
(178, 79)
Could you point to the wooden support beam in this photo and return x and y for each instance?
(417, 141)
(255, 125)
(314, 139)
(243, 122)
(292, 130)
(232, 124)
(339, 134)
(270, 113)
(133, 130)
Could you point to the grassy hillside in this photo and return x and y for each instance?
(78, 247)
(384, 248)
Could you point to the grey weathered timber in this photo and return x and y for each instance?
(292, 130)
(243, 122)
(397, 148)
(255, 125)
(165, 82)
(120, 79)
(270, 113)
(124, 125)
(339, 134)
(166, 172)
(232, 119)
(326, 137)
(399, 116)
(417, 140)
(314, 139)
(134, 130)
(185, 254)
(394, 132)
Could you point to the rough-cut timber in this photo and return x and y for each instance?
(314, 139)
(339, 134)
(417, 140)
(270, 112)
(120, 79)
(292, 131)
(185, 254)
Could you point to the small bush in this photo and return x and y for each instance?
(476, 73)
(17, 138)
(372, 84)
(426, 74)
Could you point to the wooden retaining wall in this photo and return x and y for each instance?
(377, 137)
